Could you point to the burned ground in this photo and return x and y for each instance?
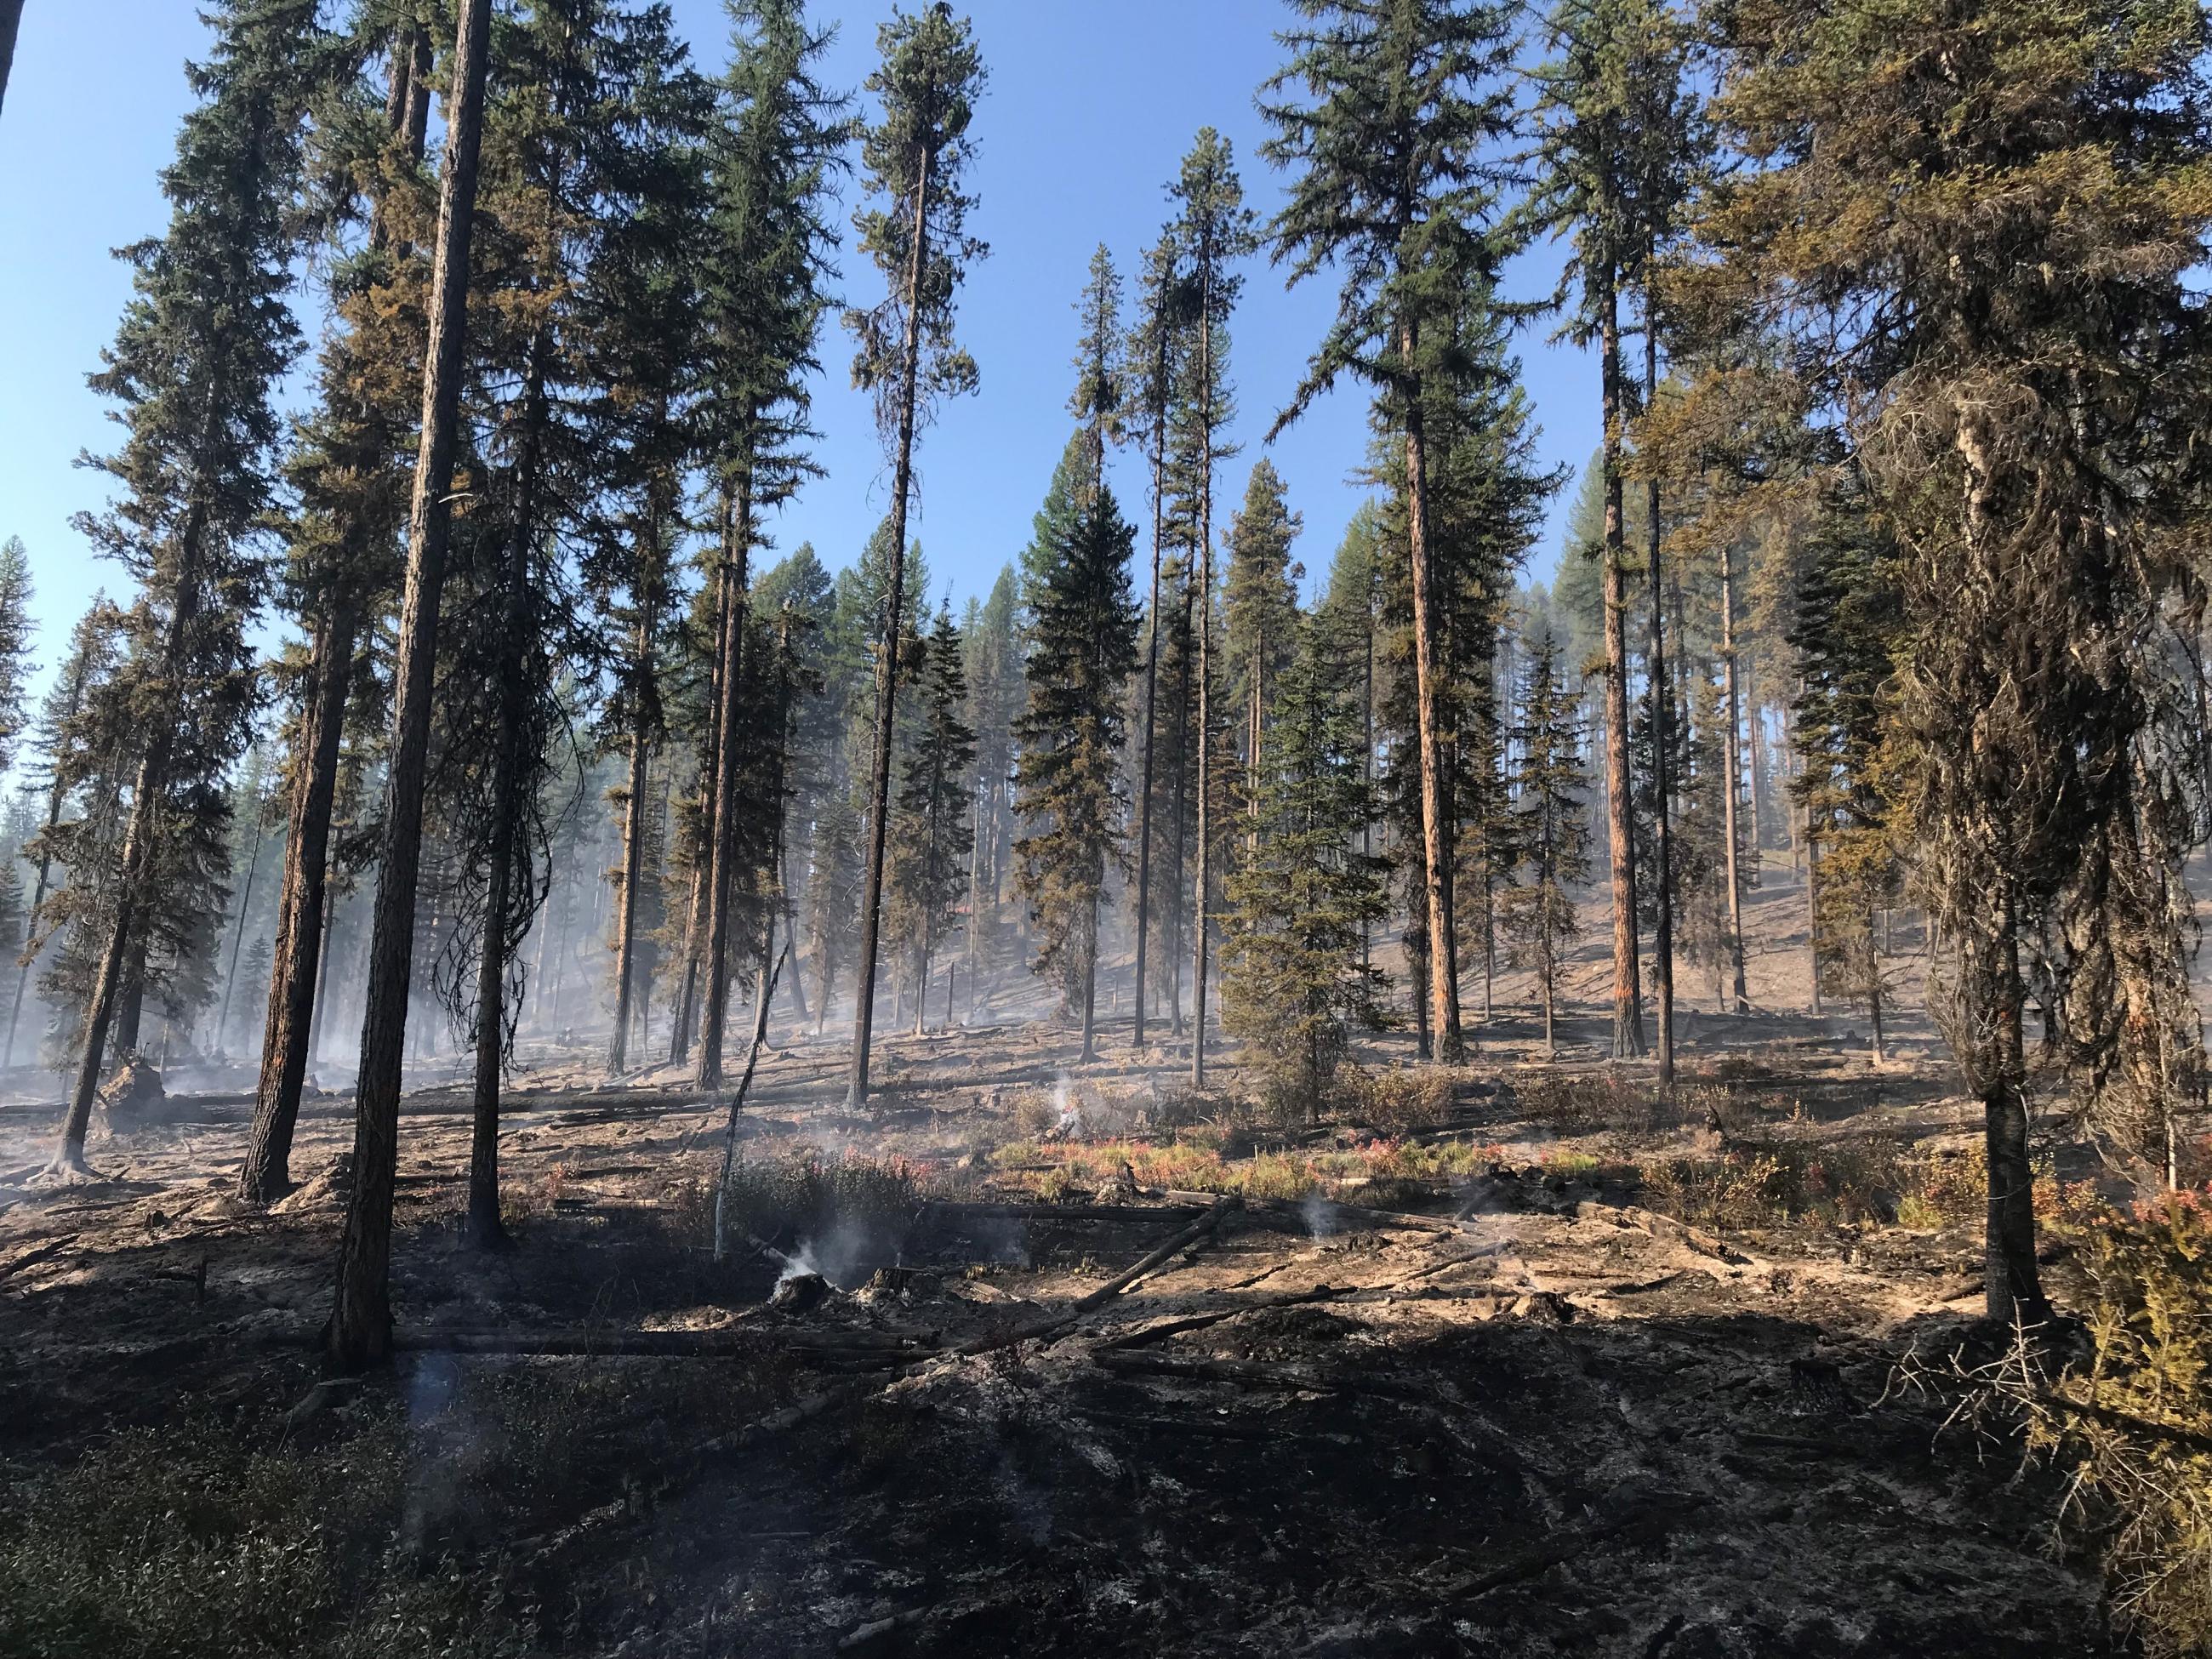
(1461, 1389)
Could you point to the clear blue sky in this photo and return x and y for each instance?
(1091, 107)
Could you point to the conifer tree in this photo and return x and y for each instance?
(193, 366)
(1972, 226)
(15, 630)
(1394, 187)
(1100, 395)
(359, 1328)
(347, 470)
(1600, 150)
(915, 157)
(90, 658)
(1153, 358)
(779, 161)
(1551, 830)
(1294, 985)
(993, 670)
(1215, 231)
(933, 830)
(1083, 651)
(1260, 614)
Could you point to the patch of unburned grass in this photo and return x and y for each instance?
(1848, 1184)
(1197, 1164)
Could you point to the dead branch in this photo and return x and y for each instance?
(46, 1252)
(1147, 1335)
(1663, 1226)
(942, 1210)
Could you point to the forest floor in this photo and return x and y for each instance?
(1531, 1360)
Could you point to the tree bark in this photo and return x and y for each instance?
(358, 1333)
(1152, 684)
(1204, 767)
(1620, 823)
(722, 880)
(1448, 1044)
(237, 934)
(482, 1225)
(1733, 759)
(864, 998)
(633, 811)
(296, 965)
(1662, 723)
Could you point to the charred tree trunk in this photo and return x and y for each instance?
(722, 876)
(299, 964)
(482, 1225)
(871, 904)
(360, 1329)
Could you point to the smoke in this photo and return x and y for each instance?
(1068, 1106)
(1318, 1215)
(843, 1256)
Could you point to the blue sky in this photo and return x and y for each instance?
(1091, 107)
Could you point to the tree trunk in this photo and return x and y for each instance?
(1812, 909)
(1620, 823)
(1151, 682)
(722, 880)
(633, 811)
(1662, 723)
(2013, 1288)
(1732, 757)
(1091, 982)
(864, 1009)
(238, 936)
(360, 1329)
(1204, 760)
(482, 1225)
(299, 964)
(1448, 1044)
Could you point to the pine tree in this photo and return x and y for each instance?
(933, 832)
(1153, 359)
(1551, 830)
(1100, 396)
(1394, 186)
(915, 158)
(1608, 149)
(995, 692)
(347, 471)
(1216, 231)
(360, 1328)
(193, 366)
(779, 162)
(1972, 226)
(1083, 651)
(16, 629)
(1845, 636)
(1294, 985)
(1260, 614)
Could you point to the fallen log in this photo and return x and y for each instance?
(46, 1252)
(671, 1345)
(1145, 1336)
(1113, 1287)
(1333, 1210)
(1661, 1227)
